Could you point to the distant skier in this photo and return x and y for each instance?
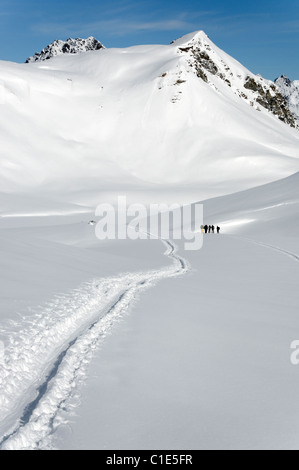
(206, 228)
(213, 228)
(218, 229)
(210, 228)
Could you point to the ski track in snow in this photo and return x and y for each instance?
(47, 355)
(294, 256)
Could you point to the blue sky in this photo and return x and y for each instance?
(262, 34)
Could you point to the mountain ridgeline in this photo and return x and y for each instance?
(280, 98)
(257, 91)
(290, 91)
(184, 114)
(70, 46)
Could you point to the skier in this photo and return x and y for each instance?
(218, 229)
(213, 228)
(210, 228)
(206, 228)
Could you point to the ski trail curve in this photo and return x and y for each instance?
(47, 359)
(294, 256)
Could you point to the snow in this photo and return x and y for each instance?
(121, 344)
(212, 373)
(203, 361)
(79, 321)
(199, 361)
(114, 116)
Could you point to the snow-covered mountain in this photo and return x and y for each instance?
(290, 91)
(184, 115)
(88, 326)
(70, 46)
(208, 62)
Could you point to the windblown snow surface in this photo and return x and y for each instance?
(141, 344)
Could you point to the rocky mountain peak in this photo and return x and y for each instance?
(70, 46)
(290, 91)
(218, 70)
(283, 80)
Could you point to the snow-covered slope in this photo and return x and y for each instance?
(231, 319)
(290, 90)
(269, 212)
(70, 46)
(186, 115)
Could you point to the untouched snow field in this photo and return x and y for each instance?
(199, 355)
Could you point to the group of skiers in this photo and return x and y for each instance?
(210, 229)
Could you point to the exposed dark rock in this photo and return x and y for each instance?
(185, 49)
(201, 74)
(251, 84)
(204, 61)
(275, 103)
